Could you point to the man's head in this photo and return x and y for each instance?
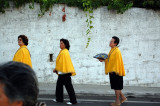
(18, 85)
(64, 43)
(114, 42)
(22, 40)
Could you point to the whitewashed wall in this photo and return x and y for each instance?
(138, 29)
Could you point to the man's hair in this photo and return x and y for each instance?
(66, 43)
(24, 39)
(116, 39)
(20, 83)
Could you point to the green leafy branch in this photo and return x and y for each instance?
(120, 5)
(89, 15)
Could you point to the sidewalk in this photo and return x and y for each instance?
(102, 90)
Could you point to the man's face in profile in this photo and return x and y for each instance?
(112, 44)
(4, 101)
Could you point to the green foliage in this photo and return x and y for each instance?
(151, 4)
(3, 5)
(45, 5)
(89, 15)
(119, 5)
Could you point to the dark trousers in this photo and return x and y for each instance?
(116, 81)
(65, 80)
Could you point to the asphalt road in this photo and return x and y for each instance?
(96, 100)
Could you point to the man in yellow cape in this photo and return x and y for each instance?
(23, 55)
(64, 69)
(115, 67)
(64, 63)
(115, 63)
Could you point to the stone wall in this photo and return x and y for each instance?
(138, 29)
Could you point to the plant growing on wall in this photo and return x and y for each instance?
(120, 5)
(89, 15)
(45, 5)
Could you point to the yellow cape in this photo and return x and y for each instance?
(114, 63)
(23, 55)
(64, 63)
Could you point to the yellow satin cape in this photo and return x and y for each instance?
(115, 63)
(64, 63)
(22, 55)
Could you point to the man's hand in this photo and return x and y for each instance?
(101, 60)
(54, 71)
